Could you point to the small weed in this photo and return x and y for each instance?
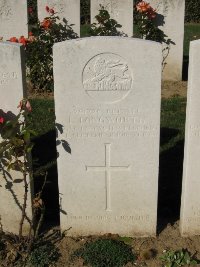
(177, 258)
(44, 255)
(106, 253)
(125, 239)
(2, 248)
(149, 254)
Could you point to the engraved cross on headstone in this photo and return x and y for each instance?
(107, 169)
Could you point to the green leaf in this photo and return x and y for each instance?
(27, 136)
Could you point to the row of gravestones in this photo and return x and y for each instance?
(108, 106)
(13, 22)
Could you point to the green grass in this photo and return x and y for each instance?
(42, 118)
(172, 122)
(106, 253)
(85, 30)
(192, 32)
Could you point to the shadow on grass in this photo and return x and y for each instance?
(170, 183)
(185, 68)
(166, 135)
(44, 154)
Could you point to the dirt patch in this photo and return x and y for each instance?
(170, 89)
(148, 250)
(34, 93)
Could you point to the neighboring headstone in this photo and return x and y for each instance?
(67, 9)
(12, 90)
(172, 12)
(13, 19)
(107, 101)
(121, 11)
(190, 205)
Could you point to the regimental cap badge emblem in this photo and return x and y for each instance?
(107, 78)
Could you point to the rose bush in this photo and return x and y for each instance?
(105, 26)
(15, 148)
(39, 48)
(145, 19)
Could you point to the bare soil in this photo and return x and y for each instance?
(170, 89)
(148, 250)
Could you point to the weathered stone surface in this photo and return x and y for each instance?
(13, 19)
(12, 90)
(67, 9)
(190, 205)
(107, 100)
(121, 11)
(171, 21)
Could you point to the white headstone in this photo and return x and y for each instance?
(68, 9)
(121, 11)
(13, 19)
(107, 100)
(12, 90)
(190, 207)
(173, 12)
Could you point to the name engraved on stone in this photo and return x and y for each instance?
(108, 218)
(193, 220)
(5, 10)
(194, 130)
(167, 4)
(114, 123)
(5, 77)
(107, 169)
(107, 78)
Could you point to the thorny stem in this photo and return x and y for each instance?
(24, 203)
(40, 222)
(25, 190)
(1, 225)
(42, 209)
(38, 225)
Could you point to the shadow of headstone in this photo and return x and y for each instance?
(185, 68)
(170, 185)
(44, 154)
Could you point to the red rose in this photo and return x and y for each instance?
(47, 8)
(151, 13)
(13, 39)
(25, 105)
(23, 40)
(142, 6)
(51, 11)
(30, 10)
(46, 24)
(1, 120)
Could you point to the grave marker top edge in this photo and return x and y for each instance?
(108, 38)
